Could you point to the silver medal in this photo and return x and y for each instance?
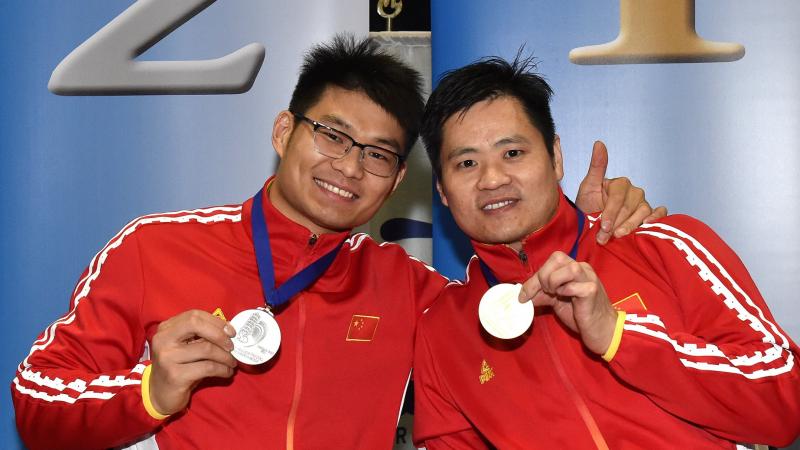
(501, 313)
(258, 336)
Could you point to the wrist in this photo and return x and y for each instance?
(146, 399)
(616, 337)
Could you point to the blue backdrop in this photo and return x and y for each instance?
(715, 140)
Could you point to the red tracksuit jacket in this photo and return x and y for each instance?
(337, 381)
(701, 362)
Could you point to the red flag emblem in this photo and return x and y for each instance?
(362, 328)
(632, 304)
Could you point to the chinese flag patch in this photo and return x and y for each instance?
(632, 304)
(362, 328)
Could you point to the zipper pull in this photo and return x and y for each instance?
(523, 257)
(312, 240)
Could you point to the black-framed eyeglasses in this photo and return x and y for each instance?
(333, 143)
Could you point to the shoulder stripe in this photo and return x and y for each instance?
(175, 216)
(424, 264)
(719, 288)
(207, 215)
(733, 297)
(472, 260)
(355, 241)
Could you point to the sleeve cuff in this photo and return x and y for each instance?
(148, 405)
(615, 340)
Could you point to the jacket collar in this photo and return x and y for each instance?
(559, 233)
(293, 246)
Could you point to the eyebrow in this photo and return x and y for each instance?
(460, 152)
(341, 123)
(338, 121)
(514, 139)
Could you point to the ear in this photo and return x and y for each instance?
(440, 189)
(401, 173)
(281, 132)
(558, 161)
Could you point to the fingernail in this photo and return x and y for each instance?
(622, 231)
(605, 225)
(229, 330)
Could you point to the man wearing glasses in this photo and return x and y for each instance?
(322, 323)
(333, 143)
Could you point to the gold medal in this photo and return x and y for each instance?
(501, 313)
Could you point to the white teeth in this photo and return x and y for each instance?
(334, 189)
(497, 205)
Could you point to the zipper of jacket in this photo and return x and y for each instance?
(577, 400)
(298, 363)
(523, 258)
(298, 378)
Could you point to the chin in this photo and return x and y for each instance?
(492, 239)
(499, 236)
(333, 218)
(335, 227)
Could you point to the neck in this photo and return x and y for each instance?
(517, 246)
(280, 203)
(559, 233)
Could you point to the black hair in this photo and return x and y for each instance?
(360, 65)
(487, 78)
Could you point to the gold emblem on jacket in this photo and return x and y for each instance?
(487, 373)
(218, 313)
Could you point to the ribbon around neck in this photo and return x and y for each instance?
(277, 296)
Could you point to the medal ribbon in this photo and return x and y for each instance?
(273, 296)
(573, 252)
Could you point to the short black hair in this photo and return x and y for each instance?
(361, 65)
(488, 78)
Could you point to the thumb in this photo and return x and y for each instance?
(597, 167)
(529, 289)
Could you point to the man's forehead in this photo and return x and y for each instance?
(505, 114)
(358, 116)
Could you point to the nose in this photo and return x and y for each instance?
(492, 176)
(350, 164)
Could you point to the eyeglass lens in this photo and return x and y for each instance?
(375, 160)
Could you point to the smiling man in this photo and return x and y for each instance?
(659, 339)
(322, 322)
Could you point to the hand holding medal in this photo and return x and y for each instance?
(578, 299)
(186, 349)
(506, 310)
